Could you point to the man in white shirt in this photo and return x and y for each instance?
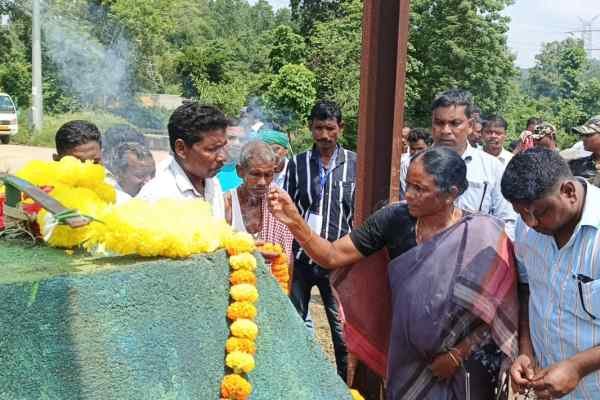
(133, 166)
(494, 136)
(198, 139)
(451, 125)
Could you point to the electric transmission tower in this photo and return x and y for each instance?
(587, 34)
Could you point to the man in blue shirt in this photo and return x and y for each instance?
(557, 243)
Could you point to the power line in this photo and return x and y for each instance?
(587, 33)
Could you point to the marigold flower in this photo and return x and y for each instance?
(244, 292)
(240, 344)
(168, 227)
(242, 276)
(239, 242)
(244, 261)
(241, 309)
(240, 362)
(272, 248)
(244, 328)
(234, 387)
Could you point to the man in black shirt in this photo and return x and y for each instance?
(321, 182)
(588, 167)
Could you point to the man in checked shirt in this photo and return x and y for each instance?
(321, 182)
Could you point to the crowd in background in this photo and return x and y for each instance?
(493, 250)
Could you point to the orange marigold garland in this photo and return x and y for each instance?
(280, 268)
(241, 345)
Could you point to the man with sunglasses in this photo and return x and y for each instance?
(557, 244)
(589, 167)
(197, 138)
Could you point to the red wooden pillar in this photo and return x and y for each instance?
(382, 89)
(381, 119)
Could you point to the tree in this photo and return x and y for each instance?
(288, 48)
(558, 69)
(291, 95)
(334, 55)
(459, 44)
(588, 97)
(308, 13)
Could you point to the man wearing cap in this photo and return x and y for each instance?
(588, 167)
(544, 136)
(280, 144)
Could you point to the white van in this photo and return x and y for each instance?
(8, 118)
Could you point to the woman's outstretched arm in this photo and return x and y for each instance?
(340, 253)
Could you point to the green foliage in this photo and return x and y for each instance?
(459, 44)
(230, 52)
(562, 88)
(335, 50)
(45, 138)
(230, 97)
(559, 69)
(288, 48)
(292, 94)
(308, 13)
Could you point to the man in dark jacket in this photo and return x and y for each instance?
(588, 167)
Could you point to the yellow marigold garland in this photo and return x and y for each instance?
(172, 228)
(71, 172)
(244, 292)
(241, 309)
(243, 261)
(168, 227)
(241, 345)
(242, 276)
(234, 387)
(240, 362)
(238, 243)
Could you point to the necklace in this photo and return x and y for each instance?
(455, 216)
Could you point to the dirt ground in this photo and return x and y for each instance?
(322, 331)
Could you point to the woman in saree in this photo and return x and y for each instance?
(452, 279)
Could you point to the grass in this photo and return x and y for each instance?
(51, 124)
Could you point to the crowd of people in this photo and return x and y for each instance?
(494, 249)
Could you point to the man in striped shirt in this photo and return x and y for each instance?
(557, 245)
(321, 182)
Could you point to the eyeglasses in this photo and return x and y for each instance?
(581, 279)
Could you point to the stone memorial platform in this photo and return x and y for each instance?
(74, 327)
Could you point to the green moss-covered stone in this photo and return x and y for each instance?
(122, 328)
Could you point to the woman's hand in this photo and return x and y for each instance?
(444, 366)
(282, 206)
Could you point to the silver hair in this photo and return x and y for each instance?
(256, 151)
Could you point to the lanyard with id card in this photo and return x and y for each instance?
(315, 219)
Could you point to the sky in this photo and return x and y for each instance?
(534, 22)
(537, 21)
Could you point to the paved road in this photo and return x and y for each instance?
(13, 157)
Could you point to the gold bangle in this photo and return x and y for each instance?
(453, 357)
